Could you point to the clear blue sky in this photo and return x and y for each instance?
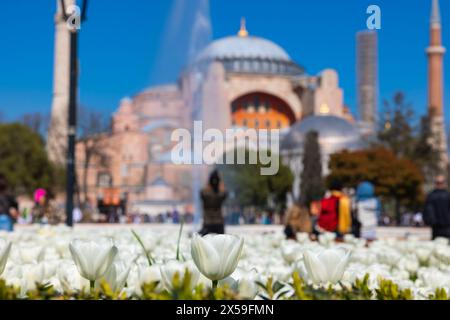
(121, 42)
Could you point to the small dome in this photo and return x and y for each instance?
(159, 182)
(334, 133)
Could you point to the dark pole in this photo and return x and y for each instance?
(72, 116)
(72, 126)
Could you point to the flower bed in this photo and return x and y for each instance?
(60, 263)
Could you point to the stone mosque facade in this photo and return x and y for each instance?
(249, 82)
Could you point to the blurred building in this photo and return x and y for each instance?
(367, 79)
(240, 81)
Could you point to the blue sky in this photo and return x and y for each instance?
(120, 46)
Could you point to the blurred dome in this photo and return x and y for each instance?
(244, 47)
(335, 134)
(251, 55)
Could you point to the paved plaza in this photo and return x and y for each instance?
(382, 232)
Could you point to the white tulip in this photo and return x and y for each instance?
(327, 239)
(216, 256)
(291, 252)
(230, 282)
(246, 283)
(31, 254)
(92, 258)
(173, 267)
(144, 274)
(410, 264)
(441, 241)
(303, 237)
(69, 277)
(5, 248)
(326, 266)
(117, 274)
(301, 269)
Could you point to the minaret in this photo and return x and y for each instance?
(57, 136)
(435, 54)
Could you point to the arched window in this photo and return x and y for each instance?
(262, 110)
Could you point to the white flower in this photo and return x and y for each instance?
(117, 274)
(216, 256)
(326, 239)
(303, 237)
(291, 252)
(246, 285)
(301, 269)
(92, 258)
(326, 266)
(389, 256)
(69, 277)
(144, 274)
(169, 269)
(33, 274)
(441, 241)
(410, 264)
(5, 248)
(31, 253)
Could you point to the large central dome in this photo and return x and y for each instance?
(244, 48)
(248, 54)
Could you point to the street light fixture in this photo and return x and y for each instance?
(73, 88)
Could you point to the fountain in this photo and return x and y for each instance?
(187, 33)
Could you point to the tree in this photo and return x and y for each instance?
(24, 162)
(425, 155)
(92, 129)
(251, 189)
(397, 179)
(398, 129)
(405, 138)
(311, 185)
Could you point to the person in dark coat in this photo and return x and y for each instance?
(213, 197)
(437, 209)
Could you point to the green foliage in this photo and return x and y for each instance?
(181, 290)
(401, 134)
(398, 131)
(24, 160)
(440, 294)
(147, 254)
(388, 290)
(297, 289)
(272, 290)
(312, 184)
(394, 178)
(251, 189)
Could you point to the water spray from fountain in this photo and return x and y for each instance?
(188, 32)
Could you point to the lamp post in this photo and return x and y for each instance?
(73, 21)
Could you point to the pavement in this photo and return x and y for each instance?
(382, 232)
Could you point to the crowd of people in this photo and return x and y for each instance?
(337, 212)
(360, 214)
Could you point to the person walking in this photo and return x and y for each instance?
(367, 212)
(213, 196)
(335, 211)
(298, 220)
(437, 209)
(8, 207)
